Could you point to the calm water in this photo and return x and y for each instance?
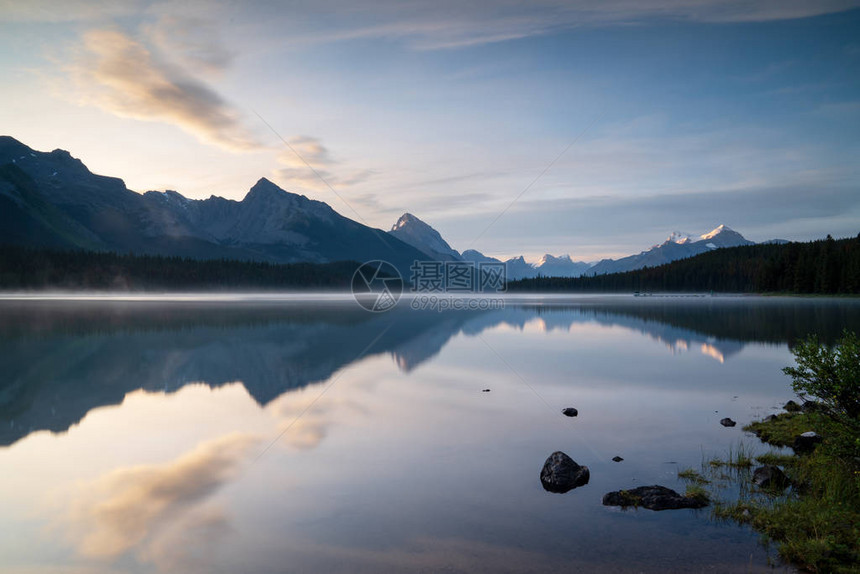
(255, 436)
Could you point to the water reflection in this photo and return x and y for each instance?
(405, 465)
(59, 360)
(132, 505)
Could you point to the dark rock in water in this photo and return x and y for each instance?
(770, 476)
(806, 442)
(560, 473)
(617, 459)
(651, 497)
(727, 422)
(769, 418)
(791, 406)
(570, 412)
(485, 391)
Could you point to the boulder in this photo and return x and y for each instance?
(485, 390)
(570, 412)
(791, 406)
(617, 459)
(806, 442)
(769, 476)
(651, 497)
(560, 473)
(727, 422)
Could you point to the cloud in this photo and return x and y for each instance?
(68, 11)
(193, 41)
(187, 544)
(119, 74)
(308, 164)
(128, 508)
(453, 24)
(304, 421)
(122, 75)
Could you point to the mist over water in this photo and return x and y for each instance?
(266, 433)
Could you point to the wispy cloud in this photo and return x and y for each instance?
(128, 507)
(310, 165)
(146, 78)
(119, 74)
(452, 24)
(195, 42)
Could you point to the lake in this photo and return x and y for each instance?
(264, 434)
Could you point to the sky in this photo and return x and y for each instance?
(588, 128)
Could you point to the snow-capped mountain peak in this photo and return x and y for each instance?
(421, 236)
(677, 246)
(405, 220)
(548, 259)
(716, 231)
(679, 237)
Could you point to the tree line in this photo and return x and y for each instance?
(827, 266)
(26, 268)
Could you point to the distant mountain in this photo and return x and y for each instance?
(421, 236)
(825, 266)
(562, 266)
(676, 246)
(517, 268)
(53, 200)
(477, 257)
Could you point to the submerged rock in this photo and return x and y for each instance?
(617, 459)
(651, 497)
(727, 422)
(769, 476)
(560, 473)
(485, 390)
(806, 442)
(570, 412)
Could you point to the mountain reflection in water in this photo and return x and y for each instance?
(59, 360)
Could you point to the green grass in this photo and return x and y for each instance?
(738, 457)
(698, 493)
(776, 459)
(781, 430)
(816, 523)
(693, 476)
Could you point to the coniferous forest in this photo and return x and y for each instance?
(23, 268)
(827, 267)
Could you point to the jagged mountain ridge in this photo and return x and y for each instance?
(53, 200)
(418, 234)
(425, 238)
(676, 246)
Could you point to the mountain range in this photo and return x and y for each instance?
(418, 234)
(51, 199)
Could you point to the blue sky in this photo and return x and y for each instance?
(670, 115)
